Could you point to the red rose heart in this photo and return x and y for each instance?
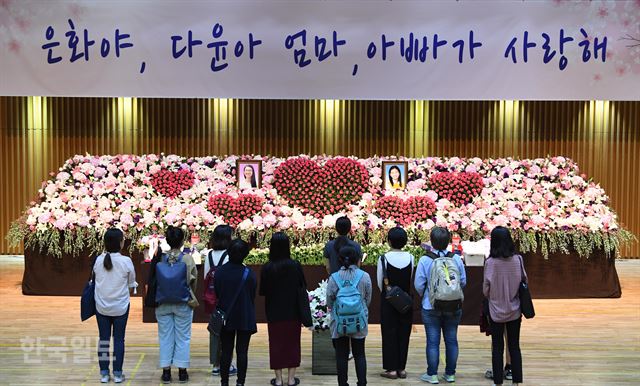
(235, 210)
(459, 188)
(321, 190)
(171, 184)
(405, 212)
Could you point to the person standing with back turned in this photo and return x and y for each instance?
(444, 317)
(349, 280)
(332, 248)
(503, 272)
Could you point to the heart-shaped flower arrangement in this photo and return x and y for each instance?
(235, 210)
(171, 184)
(414, 209)
(458, 188)
(321, 190)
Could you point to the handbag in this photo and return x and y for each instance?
(152, 286)
(396, 296)
(485, 322)
(526, 304)
(304, 308)
(88, 298)
(219, 317)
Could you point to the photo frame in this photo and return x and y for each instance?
(388, 173)
(249, 174)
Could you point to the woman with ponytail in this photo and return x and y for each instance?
(114, 276)
(349, 271)
(332, 248)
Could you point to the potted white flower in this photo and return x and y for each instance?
(323, 355)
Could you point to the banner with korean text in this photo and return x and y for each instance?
(484, 49)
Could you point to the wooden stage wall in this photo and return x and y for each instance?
(37, 134)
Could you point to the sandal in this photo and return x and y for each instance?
(273, 382)
(389, 375)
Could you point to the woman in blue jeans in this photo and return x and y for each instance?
(436, 321)
(174, 316)
(114, 276)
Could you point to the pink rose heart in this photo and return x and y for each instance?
(458, 188)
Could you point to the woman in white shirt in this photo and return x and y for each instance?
(216, 257)
(395, 326)
(115, 275)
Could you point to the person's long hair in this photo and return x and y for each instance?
(343, 227)
(501, 243)
(221, 237)
(399, 175)
(112, 239)
(279, 250)
(254, 184)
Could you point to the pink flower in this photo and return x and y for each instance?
(60, 223)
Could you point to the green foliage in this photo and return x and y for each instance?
(308, 246)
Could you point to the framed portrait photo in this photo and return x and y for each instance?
(395, 174)
(249, 174)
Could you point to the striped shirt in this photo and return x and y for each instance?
(502, 278)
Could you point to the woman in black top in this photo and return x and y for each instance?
(241, 316)
(395, 327)
(280, 280)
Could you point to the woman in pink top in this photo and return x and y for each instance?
(503, 272)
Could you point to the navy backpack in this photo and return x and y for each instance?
(171, 281)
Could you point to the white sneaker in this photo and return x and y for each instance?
(450, 378)
(105, 378)
(118, 378)
(433, 379)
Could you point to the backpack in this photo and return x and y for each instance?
(210, 298)
(172, 284)
(348, 310)
(445, 291)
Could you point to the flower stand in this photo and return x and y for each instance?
(323, 358)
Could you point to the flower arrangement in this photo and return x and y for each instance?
(234, 210)
(405, 212)
(314, 254)
(459, 188)
(170, 183)
(547, 202)
(320, 315)
(322, 190)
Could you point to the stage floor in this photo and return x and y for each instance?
(569, 342)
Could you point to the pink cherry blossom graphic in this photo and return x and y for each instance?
(22, 23)
(14, 46)
(603, 12)
(76, 10)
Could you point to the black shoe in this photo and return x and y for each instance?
(166, 376)
(183, 376)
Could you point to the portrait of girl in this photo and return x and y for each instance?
(395, 175)
(249, 174)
